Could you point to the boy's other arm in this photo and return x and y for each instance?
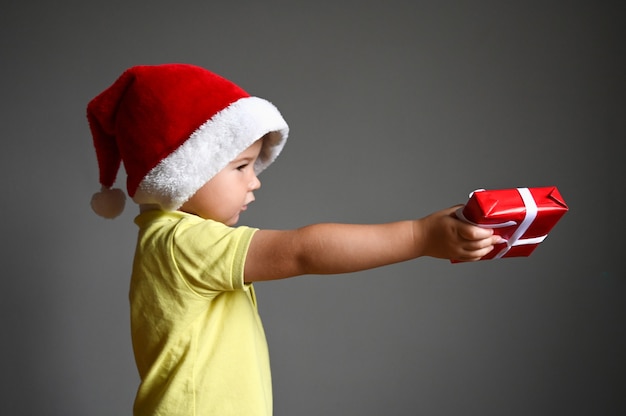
(343, 248)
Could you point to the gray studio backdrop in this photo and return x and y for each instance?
(397, 109)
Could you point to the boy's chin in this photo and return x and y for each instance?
(232, 222)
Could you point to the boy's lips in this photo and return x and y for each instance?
(245, 206)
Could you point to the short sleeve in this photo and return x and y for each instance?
(210, 256)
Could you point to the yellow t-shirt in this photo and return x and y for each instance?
(198, 340)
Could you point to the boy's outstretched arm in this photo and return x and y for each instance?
(343, 248)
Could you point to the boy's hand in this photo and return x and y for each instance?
(442, 235)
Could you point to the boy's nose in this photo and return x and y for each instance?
(255, 183)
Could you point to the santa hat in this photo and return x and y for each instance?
(174, 127)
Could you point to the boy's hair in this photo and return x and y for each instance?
(175, 126)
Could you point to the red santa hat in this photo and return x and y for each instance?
(174, 127)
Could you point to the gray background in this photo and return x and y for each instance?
(397, 109)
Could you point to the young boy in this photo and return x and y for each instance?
(192, 144)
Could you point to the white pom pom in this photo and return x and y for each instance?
(108, 203)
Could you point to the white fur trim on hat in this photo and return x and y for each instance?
(210, 148)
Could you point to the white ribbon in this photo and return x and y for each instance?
(462, 217)
(531, 214)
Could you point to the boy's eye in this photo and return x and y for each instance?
(242, 167)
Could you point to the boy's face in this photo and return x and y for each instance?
(229, 192)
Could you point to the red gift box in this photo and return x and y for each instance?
(522, 216)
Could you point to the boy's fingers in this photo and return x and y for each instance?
(472, 232)
(476, 252)
(496, 239)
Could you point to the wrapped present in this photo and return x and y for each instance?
(521, 216)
